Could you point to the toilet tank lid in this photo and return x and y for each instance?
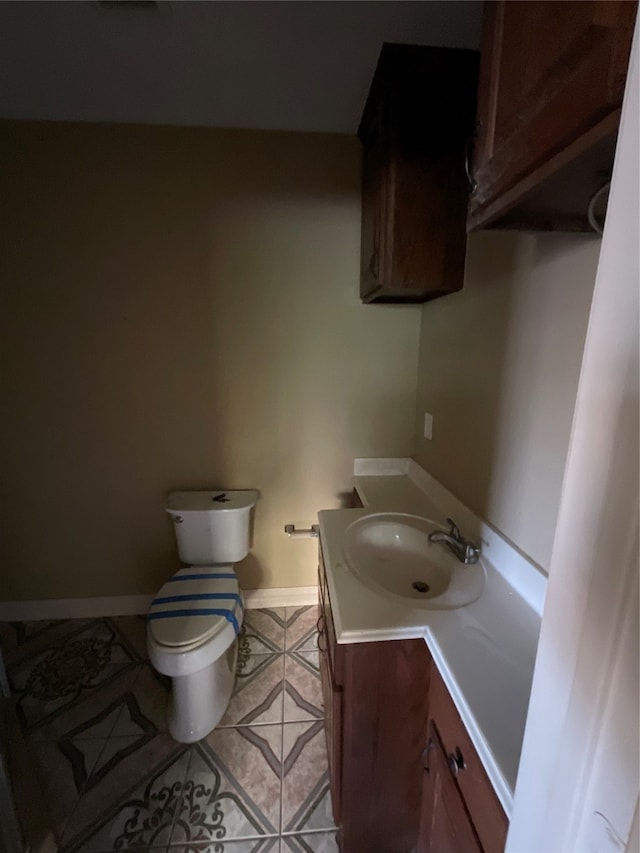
(218, 499)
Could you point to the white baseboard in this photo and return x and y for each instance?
(74, 608)
(129, 605)
(292, 596)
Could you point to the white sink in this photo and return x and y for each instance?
(390, 553)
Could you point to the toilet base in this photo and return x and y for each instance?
(199, 700)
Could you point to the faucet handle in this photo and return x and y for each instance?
(471, 554)
(454, 530)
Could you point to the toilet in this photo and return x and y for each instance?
(194, 621)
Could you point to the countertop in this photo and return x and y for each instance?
(485, 652)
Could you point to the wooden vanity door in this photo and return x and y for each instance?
(445, 826)
(332, 701)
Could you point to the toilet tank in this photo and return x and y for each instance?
(211, 527)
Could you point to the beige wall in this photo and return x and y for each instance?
(180, 310)
(499, 366)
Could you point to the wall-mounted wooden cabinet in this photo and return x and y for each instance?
(415, 129)
(404, 775)
(552, 79)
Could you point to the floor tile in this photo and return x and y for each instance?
(144, 706)
(56, 677)
(316, 842)
(252, 845)
(133, 629)
(301, 631)
(258, 693)
(114, 751)
(306, 803)
(263, 631)
(130, 798)
(302, 687)
(134, 847)
(46, 715)
(21, 640)
(232, 789)
(94, 713)
(62, 772)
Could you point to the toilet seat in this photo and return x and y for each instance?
(194, 606)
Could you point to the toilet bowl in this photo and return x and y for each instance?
(194, 620)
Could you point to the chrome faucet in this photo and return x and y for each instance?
(465, 551)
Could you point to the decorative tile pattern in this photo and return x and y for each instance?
(262, 631)
(143, 817)
(302, 687)
(258, 693)
(62, 777)
(220, 803)
(302, 628)
(306, 802)
(316, 842)
(21, 640)
(248, 666)
(115, 750)
(144, 705)
(253, 845)
(60, 676)
(133, 632)
(94, 712)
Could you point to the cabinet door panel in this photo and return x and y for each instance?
(551, 84)
(488, 817)
(552, 51)
(374, 206)
(332, 699)
(417, 120)
(385, 706)
(445, 826)
(335, 653)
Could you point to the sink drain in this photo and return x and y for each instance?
(420, 586)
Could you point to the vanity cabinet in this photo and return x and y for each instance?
(331, 679)
(375, 699)
(552, 79)
(416, 124)
(404, 775)
(460, 810)
(445, 825)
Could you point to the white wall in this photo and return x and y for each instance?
(579, 778)
(499, 365)
(180, 310)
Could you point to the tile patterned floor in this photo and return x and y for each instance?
(93, 712)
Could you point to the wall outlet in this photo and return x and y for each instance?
(428, 425)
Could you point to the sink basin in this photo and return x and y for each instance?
(391, 554)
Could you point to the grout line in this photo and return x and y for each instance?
(202, 846)
(295, 832)
(282, 692)
(134, 678)
(187, 767)
(172, 848)
(282, 739)
(56, 739)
